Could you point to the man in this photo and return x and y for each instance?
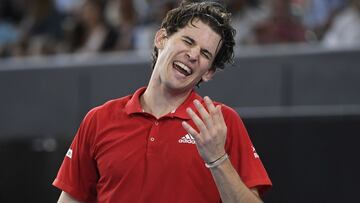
(165, 143)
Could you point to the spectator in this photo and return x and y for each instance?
(281, 26)
(146, 28)
(246, 15)
(68, 6)
(127, 25)
(98, 36)
(9, 33)
(8, 30)
(318, 15)
(345, 29)
(41, 27)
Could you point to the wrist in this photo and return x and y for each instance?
(217, 162)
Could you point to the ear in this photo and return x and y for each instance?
(160, 38)
(208, 75)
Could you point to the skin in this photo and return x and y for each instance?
(66, 198)
(195, 46)
(210, 142)
(167, 87)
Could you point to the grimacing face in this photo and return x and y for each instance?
(186, 57)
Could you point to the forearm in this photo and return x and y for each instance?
(66, 198)
(230, 186)
(210, 142)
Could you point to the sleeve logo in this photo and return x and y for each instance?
(255, 153)
(69, 153)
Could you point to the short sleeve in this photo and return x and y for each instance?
(78, 175)
(242, 153)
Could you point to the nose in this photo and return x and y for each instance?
(193, 54)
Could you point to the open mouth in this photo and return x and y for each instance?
(182, 68)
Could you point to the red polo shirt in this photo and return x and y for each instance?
(121, 154)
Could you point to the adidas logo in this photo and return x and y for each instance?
(187, 139)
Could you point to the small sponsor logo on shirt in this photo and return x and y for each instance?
(255, 153)
(69, 153)
(187, 139)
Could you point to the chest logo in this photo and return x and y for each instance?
(187, 139)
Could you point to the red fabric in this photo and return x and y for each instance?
(121, 154)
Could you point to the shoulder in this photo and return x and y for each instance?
(115, 104)
(109, 108)
(228, 112)
(232, 118)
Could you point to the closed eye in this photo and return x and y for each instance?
(188, 42)
(206, 54)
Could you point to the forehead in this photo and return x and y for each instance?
(202, 34)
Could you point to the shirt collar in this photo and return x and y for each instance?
(180, 112)
(134, 106)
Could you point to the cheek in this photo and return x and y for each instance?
(166, 55)
(205, 65)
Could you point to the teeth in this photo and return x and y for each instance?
(184, 67)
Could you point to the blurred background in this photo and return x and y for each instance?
(295, 83)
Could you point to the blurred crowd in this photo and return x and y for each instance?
(45, 27)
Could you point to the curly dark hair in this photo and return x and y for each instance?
(213, 14)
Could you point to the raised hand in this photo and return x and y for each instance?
(210, 141)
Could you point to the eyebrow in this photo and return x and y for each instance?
(202, 49)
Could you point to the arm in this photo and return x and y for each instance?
(66, 198)
(230, 186)
(210, 142)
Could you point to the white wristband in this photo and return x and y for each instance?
(217, 162)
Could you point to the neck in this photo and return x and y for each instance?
(159, 101)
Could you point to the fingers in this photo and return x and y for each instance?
(197, 120)
(219, 115)
(210, 105)
(215, 111)
(191, 131)
(210, 119)
(211, 129)
(206, 117)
